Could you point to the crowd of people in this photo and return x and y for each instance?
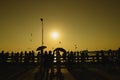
(70, 57)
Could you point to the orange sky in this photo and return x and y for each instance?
(89, 24)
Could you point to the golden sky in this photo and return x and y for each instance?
(89, 24)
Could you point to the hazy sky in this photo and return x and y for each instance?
(89, 24)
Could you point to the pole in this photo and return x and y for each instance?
(42, 30)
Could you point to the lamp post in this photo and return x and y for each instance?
(42, 30)
(42, 46)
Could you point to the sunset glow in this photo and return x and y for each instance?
(54, 35)
(91, 24)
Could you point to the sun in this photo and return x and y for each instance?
(54, 35)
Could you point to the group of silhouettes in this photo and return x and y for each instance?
(64, 57)
(25, 57)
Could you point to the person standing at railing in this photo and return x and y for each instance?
(51, 60)
(2, 57)
(38, 57)
(16, 57)
(58, 56)
(78, 57)
(82, 57)
(97, 57)
(118, 56)
(64, 57)
(21, 57)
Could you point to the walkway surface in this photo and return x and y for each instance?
(67, 75)
(107, 75)
(29, 75)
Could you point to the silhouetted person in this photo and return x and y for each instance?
(12, 57)
(69, 60)
(58, 60)
(118, 56)
(16, 57)
(97, 57)
(83, 57)
(74, 57)
(104, 58)
(42, 65)
(26, 57)
(21, 57)
(71, 56)
(78, 57)
(64, 56)
(31, 56)
(39, 74)
(2, 57)
(51, 59)
(86, 56)
(67, 54)
(39, 57)
(111, 57)
(46, 65)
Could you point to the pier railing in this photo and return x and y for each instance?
(110, 56)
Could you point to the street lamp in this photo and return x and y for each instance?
(42, 46)
(42, 30)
